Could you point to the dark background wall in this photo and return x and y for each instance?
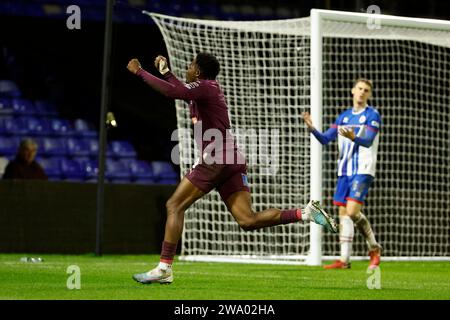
(60, 217)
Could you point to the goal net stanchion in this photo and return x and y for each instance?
(265, 77)
(271, 71)
(408, 60)
(316, 177)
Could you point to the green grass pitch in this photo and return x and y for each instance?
(109, 277)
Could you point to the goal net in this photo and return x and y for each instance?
(270, 77)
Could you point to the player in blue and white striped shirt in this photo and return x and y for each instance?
(357, 130)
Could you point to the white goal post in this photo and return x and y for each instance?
(271, 71)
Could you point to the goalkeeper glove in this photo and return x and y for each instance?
(162, 66)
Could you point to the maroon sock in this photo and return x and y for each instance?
(168, 251)
(289, 216)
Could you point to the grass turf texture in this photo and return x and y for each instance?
(109, 277)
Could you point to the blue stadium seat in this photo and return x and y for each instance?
(51, 166)
(61, 127)
(163, 170)
(9, 89)
(37, 127)
(81, 159)
(23, 106)
(168, 181)
(8, 146)
(15, 126)
(122, 149)
(92, 146)
(45, 108)
(84, 129)
(77, 147)
(88, 167)
(5, 106)
(2, 124)
(141, 171)
(52, 146)
(71, 170)
(116, 171)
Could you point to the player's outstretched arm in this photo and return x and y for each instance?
(323, 138)
(171, 90)
(134, 65)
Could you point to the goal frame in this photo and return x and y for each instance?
(318, 16)
(317, 19)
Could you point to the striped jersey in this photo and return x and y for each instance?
(360, 155)
(355, 158)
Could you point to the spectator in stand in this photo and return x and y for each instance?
(24, 165)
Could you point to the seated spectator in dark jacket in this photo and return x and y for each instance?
(24, 166)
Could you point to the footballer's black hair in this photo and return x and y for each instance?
(208, 64)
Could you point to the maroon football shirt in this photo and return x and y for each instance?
(206, 102)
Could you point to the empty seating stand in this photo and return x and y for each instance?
(52, 167)
(141, 171)
(68, 149)
(164, 172)
(117, 171)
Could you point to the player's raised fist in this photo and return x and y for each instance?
(134, 65)
(161, 64)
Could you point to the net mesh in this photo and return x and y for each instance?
(408, 204)
(265, 75)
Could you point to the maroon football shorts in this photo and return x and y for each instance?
(225, 178)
